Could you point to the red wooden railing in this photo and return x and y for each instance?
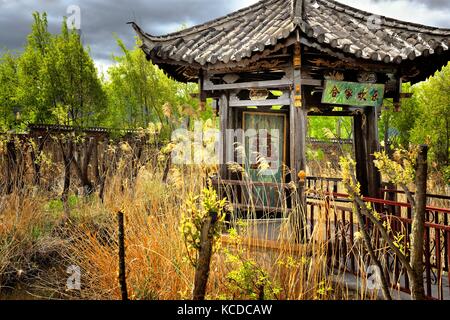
(437, 240)
(328, 194)
(437, 232)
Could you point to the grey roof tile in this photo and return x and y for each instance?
(330, 23)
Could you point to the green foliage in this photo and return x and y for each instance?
(56, 206)
(399, 242)
(198, 209)
(348, 166)
(433, 124)
(8, 91)
(424, 118)
(30, 93)
(139, 93)
(71, 82)
(446, 172)
(341, 127)
(397, 126)
(323, 290)
(54, 81)
(247, 280)
(401, 169)
(315, 154)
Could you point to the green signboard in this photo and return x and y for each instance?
(353, 93)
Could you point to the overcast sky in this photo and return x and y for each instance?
(101, 18)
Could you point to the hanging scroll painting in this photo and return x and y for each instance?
(353, 93)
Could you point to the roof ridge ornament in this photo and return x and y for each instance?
(298, 11)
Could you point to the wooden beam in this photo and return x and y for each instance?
(282, 83)
(406, 95)
(262, 103)
(312, 82)
(330, 114)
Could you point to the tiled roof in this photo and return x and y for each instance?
(328, 23)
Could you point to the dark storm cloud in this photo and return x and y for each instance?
(432, 4)
(100, 19)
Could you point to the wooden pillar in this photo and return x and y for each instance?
(359, 143)
(298, 120)
(397, 94)
(366, 143)
(202, 92)
(373, 145)
(303, 124)
(224, 121)
(298, 126)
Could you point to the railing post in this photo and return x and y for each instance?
(299, 216)
(122, 266)
(448, 258)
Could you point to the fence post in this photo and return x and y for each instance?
(122, 266)
(299, 212)
(204, 257)
(418, 225)
(12, 172)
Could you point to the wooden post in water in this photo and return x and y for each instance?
(122, 266)
(418, 225)
(204, 257)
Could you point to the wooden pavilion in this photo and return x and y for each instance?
(307, 57)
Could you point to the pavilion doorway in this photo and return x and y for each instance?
(265, 154)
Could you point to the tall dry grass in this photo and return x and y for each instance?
(28, 241)
(157, 263)
(36, 248)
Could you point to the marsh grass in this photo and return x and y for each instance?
(255, 258)
(249, 264)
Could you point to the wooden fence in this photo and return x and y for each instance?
(326, 195)
(47, 154)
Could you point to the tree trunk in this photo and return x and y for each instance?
(87, 183)
(36, 164)
(96, 164)
(67, 159)
(418, 226)
(204, 257)
(362, 226)
(82, 167)
(135, 162)
(103, 172)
